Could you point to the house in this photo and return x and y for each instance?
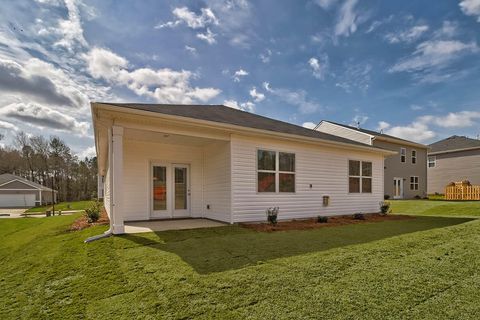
(453, 159)
(212, 161)
(405, 172)
(18, 192)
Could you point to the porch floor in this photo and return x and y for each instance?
(164, 225)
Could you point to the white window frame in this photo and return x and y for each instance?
(414, 157)
(414, 186)
(403, 155)
(361, 177)
(434, 162)
(277, 171)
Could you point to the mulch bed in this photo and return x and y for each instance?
(82, 222)
(306, 224)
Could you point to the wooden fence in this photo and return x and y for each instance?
(462, 191)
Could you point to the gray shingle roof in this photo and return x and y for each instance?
(374, 133)
(223, 114)
(7, 177)
(454, 143)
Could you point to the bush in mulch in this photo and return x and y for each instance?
(83, 222)
(313, 223)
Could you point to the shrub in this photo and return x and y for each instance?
(417, 197)
(93, 212)
(386, 197)
(322, 219)
(359, 216)
(272, 215)
(385, 207)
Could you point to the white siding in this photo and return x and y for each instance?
(138, 156)
(325, 168)
(340, 131)
(217, 181)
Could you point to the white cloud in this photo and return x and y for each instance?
(309, 125)
(257, 96)
(448, 30)
(416, 107)
(70, 29)
(325, 4)
(44, 117)
(88, 153)
(265, 56)
(245, 106)
(192, 50)
(319, 67)
(407, 36)
(240, 73)
(471, 8)
(355, 75)
(347, 20)
(208, 36)
(416, 131)
(190, 18)
(163, 85)
(419, 130)
(8, 125)
(359, 120)
(461, 119)
(296, 98)
(431, 56)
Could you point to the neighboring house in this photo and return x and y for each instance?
(174, 161)
(453, 159)
(18, 192)
(405, 172)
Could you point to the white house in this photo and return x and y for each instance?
(212, 161)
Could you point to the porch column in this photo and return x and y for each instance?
(117, 179)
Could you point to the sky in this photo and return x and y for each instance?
(408, 68)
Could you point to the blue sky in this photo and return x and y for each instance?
(410, 68)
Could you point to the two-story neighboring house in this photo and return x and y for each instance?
(405, 174)
(453, 159)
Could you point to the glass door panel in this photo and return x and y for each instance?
(159, 188)
(181, 191)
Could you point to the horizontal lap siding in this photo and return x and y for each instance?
(217, 181)
(107, 192)
(324, 167)
(136, 167)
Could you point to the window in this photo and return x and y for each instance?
(275, 171)
(432, 161)
(403, 154)
(414, 156)
(359, 176)
(413, 183)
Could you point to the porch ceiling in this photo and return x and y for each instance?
(165, 137)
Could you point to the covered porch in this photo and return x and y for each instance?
(161, 172)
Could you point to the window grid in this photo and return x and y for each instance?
(432, 162)
(364, 180)
(403, 155)
(277, 172)
(413, 183)
(414, 156)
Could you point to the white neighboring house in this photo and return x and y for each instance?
(18, 192)
(212, 161)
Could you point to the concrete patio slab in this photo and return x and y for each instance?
(164, 225)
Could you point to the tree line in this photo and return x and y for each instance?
(50, 162)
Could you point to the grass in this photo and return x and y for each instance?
(425, 268)
(74, 205)
(436, 208)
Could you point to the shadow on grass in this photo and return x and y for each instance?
(233, 247)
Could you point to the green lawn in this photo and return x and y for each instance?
(436, 207)
(422, 268)
(74, 205)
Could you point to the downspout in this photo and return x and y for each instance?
(109, 232)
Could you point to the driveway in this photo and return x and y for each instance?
(11, 213)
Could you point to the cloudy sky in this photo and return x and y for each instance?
(410, 68)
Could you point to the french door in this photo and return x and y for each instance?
(397, 188)
(170, 190)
